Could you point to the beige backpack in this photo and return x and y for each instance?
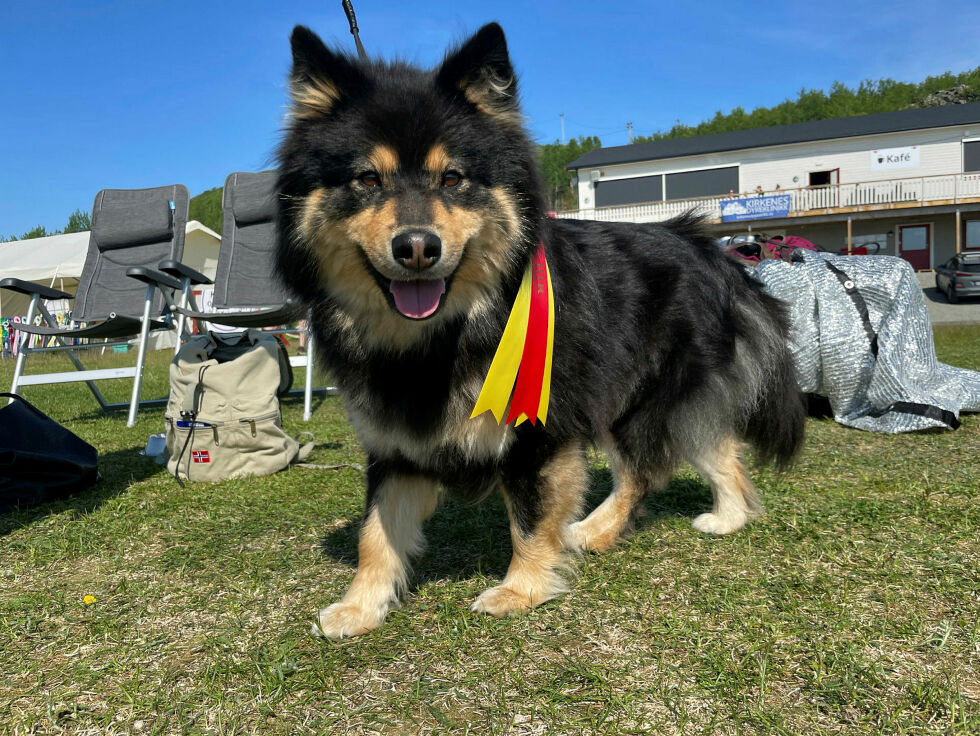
(223, 417)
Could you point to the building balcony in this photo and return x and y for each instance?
(884, 194)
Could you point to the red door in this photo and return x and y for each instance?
(914, 245)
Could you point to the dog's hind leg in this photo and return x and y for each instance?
(602, 528)
(391, 532)
(735, 497)
(539, 515)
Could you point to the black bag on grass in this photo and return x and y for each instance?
(39, 459)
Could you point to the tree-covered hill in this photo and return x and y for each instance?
(206, 209)
(884, 95)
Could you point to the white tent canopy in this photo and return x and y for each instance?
(57, 261)
(43, 259)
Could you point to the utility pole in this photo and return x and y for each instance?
(629, 129)
(562, 116)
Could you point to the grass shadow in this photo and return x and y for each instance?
(318, 399)
(464, 539)
(118, 470)
(684, 497)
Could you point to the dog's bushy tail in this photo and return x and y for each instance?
(771, 408)
(776, 426)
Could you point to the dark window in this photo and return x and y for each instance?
(628, 191)
(971, 156)
(704, 183)
(823, 178)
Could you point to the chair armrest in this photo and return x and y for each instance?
(152, 276)
(179, 270)
(29, 288)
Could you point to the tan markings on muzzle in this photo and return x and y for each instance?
(487, 237)
(488, 254)
(373, 229)
(340, 246)
(312, 213)
(384, 160)
(313, 97)
(455, 225)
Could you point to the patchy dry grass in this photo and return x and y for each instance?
(853, 607)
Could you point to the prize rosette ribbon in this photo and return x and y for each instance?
(521, 369)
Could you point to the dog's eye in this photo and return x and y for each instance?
(370, 179)
(451, 179)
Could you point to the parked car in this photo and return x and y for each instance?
(959, 276)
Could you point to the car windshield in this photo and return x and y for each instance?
(969, 267)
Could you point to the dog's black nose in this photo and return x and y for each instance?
(416, 249)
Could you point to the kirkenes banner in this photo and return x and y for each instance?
(755, 208)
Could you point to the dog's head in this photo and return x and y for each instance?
(405, 195)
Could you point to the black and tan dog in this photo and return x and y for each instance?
(410, 207)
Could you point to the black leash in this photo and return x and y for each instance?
(349, 11)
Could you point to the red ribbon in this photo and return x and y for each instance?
(530, 378)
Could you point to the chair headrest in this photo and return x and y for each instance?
(125, 224)
(252, 197)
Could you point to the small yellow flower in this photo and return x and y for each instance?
(89, 600)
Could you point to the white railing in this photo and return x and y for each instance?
(650, 212)
(868, 195)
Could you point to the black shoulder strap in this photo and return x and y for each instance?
(859, 304)
(923, 410)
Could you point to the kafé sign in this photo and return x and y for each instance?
(755, 208)
(884, 159)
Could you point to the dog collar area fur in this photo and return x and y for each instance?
(520, 372)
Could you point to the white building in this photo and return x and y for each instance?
(907, 180)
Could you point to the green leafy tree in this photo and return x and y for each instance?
(554, 157)
(78, 222)
(37, 232)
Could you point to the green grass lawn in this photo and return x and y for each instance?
(852, 607)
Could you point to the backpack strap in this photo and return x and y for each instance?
(304, 449)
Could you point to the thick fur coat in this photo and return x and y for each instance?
(410, 205)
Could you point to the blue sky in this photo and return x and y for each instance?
(136, 94)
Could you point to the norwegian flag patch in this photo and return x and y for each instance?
(200, 456)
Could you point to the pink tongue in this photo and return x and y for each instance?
(417, 299)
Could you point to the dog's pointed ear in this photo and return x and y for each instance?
(480, 69)
(319, 77)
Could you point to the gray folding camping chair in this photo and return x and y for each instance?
(246, 290)
(120, 295)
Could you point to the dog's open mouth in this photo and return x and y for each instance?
(417, 299)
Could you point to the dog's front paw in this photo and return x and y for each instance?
(718, 524)
(501, 601)
(581, 537)
(345, 619)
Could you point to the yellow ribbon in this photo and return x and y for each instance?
(499, 384)
(503, 370)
